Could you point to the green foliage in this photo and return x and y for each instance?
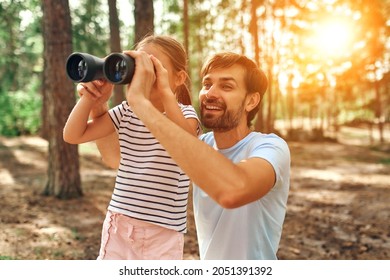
(214, 26)
(90, 28)
(385, 161)
(5, 258)
(20, 111)
(20, 50)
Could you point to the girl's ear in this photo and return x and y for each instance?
(252, 100)
(181, 77)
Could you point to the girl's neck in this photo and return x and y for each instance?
(156, 101)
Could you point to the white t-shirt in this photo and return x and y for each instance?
(251, 231)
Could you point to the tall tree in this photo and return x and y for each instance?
(375, 32)
(115, 45)
(63, 162)
(186, 32)
(144, 18)
(254, 30)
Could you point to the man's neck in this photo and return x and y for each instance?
(227, 139)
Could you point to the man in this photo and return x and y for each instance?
(241, 178)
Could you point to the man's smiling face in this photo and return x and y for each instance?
(222, 98)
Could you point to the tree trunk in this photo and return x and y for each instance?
(63, 162)
(186, 27)
(115, 46)
(254, 31)
(144, 18)
(186, 33)
(378, 111)
(270, 116)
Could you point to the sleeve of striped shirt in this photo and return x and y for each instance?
(189, 112)
(117, 113)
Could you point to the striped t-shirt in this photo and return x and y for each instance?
(149, 185)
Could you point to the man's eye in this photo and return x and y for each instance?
(226, 87)
(206, 85)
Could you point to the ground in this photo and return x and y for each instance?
(338, 207)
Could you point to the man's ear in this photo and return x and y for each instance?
(252, 100)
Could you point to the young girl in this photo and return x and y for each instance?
(147, 214)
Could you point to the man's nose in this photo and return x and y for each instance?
(211, 92)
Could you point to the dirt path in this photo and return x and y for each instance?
(339, 204)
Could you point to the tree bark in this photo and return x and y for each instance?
(115, 46)
(254, 31)
(186, 27)
(144, 18)
(63, 162)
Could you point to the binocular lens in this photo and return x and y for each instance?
(119, 68)
(77, 68)
(83, 67)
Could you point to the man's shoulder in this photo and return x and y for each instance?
(207, 136)
(268, 137)
(268, 142)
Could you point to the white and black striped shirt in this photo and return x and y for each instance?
(149, 185)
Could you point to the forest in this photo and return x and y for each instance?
(328, 66)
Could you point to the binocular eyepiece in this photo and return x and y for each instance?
(118, 68)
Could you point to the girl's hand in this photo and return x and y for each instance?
(98, 90)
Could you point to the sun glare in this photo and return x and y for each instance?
(333, 38)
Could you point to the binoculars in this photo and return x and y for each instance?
(118, 68)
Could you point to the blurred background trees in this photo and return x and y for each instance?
(328, 61)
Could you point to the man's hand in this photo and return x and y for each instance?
(143, 79)
(162, 80)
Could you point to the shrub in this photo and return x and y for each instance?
(20, 111)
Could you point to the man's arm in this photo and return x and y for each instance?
(231, 185)
(168, 98)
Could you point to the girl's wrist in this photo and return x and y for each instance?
(97, 111)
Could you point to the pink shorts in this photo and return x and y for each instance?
(125, 238)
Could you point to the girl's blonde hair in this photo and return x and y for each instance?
(176, 53)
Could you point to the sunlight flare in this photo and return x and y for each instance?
(333, 37)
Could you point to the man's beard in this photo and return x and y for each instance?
(227, 121)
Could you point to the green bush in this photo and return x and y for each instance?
(20, 111)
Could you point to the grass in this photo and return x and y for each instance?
(5, 258)
(76, 235)
(385, 161)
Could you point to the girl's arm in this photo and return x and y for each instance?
(78, 129)
(108, 146)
